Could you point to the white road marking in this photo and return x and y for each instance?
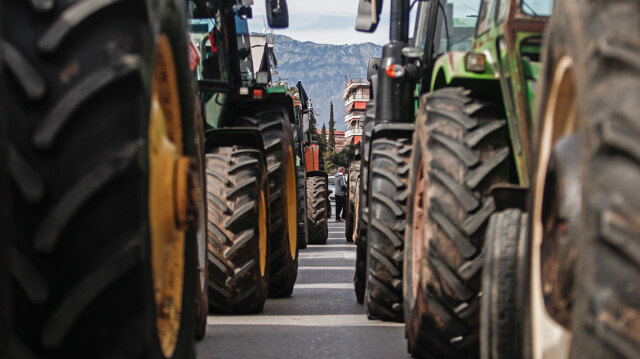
(349, 246)
(342, 320)
(323, 286)
(326, 268)
(329, 255)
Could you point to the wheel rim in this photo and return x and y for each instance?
(417, 224)
(262, 229)
(167, 172)
(560, 119)
(292, 206)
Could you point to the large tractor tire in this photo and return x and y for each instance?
(4, 223)
(277, 135)
(317, 204)
(591, 86)
(503, 286)
(385, 235)
(102, 243)
(360, 276)
(237, 228)
(460, 150)
(354, 178)
(303, 239)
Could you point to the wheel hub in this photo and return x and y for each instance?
(172, 196)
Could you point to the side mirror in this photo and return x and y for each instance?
(277, 14)
(368, 15)
(373, 67)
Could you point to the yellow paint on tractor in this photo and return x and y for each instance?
(168, 196)
(262, 233)
(292, 206)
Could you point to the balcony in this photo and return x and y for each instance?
(353, 132)
(352, 99)
(356, 82)
(357, 115)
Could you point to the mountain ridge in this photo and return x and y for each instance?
(324, 70)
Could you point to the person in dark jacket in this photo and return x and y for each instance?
(341, 194)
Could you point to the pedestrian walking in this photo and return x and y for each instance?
(341, 194)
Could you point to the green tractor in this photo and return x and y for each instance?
(474, 66)
(561, 257)
(471, 157)
(103, 192)
(252, 196)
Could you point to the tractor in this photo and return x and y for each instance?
(318, 208)
(477, 72)
(252, 195)
(561, 253)
(473, 67)
(386, 144)
(101, 186)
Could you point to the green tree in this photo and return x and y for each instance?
(322, 140)
(332, 128)
(313, 123)
(339, 159)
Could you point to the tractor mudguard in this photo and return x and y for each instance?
(510, 196)
(392, 130)
(241, 136)
(282, 99)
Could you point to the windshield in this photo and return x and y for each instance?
(244, 49)
(537, 7)
(332, 181)
(457, 24)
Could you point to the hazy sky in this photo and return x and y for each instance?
(324, 21)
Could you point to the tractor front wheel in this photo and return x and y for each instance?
(460, 150)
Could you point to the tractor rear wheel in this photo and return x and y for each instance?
(317, 204)
(277, 136)
(460, 150)
(387, 214)
(237, 228)
(354, 178)
(591, 86)
(102, 138)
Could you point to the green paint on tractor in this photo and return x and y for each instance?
(276, 89)
(510, 41)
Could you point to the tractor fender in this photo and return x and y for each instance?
(285, 101)
(229, 136)
(392, 130)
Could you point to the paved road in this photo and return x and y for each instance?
(321, 320)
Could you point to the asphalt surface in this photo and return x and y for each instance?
(321, 320)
